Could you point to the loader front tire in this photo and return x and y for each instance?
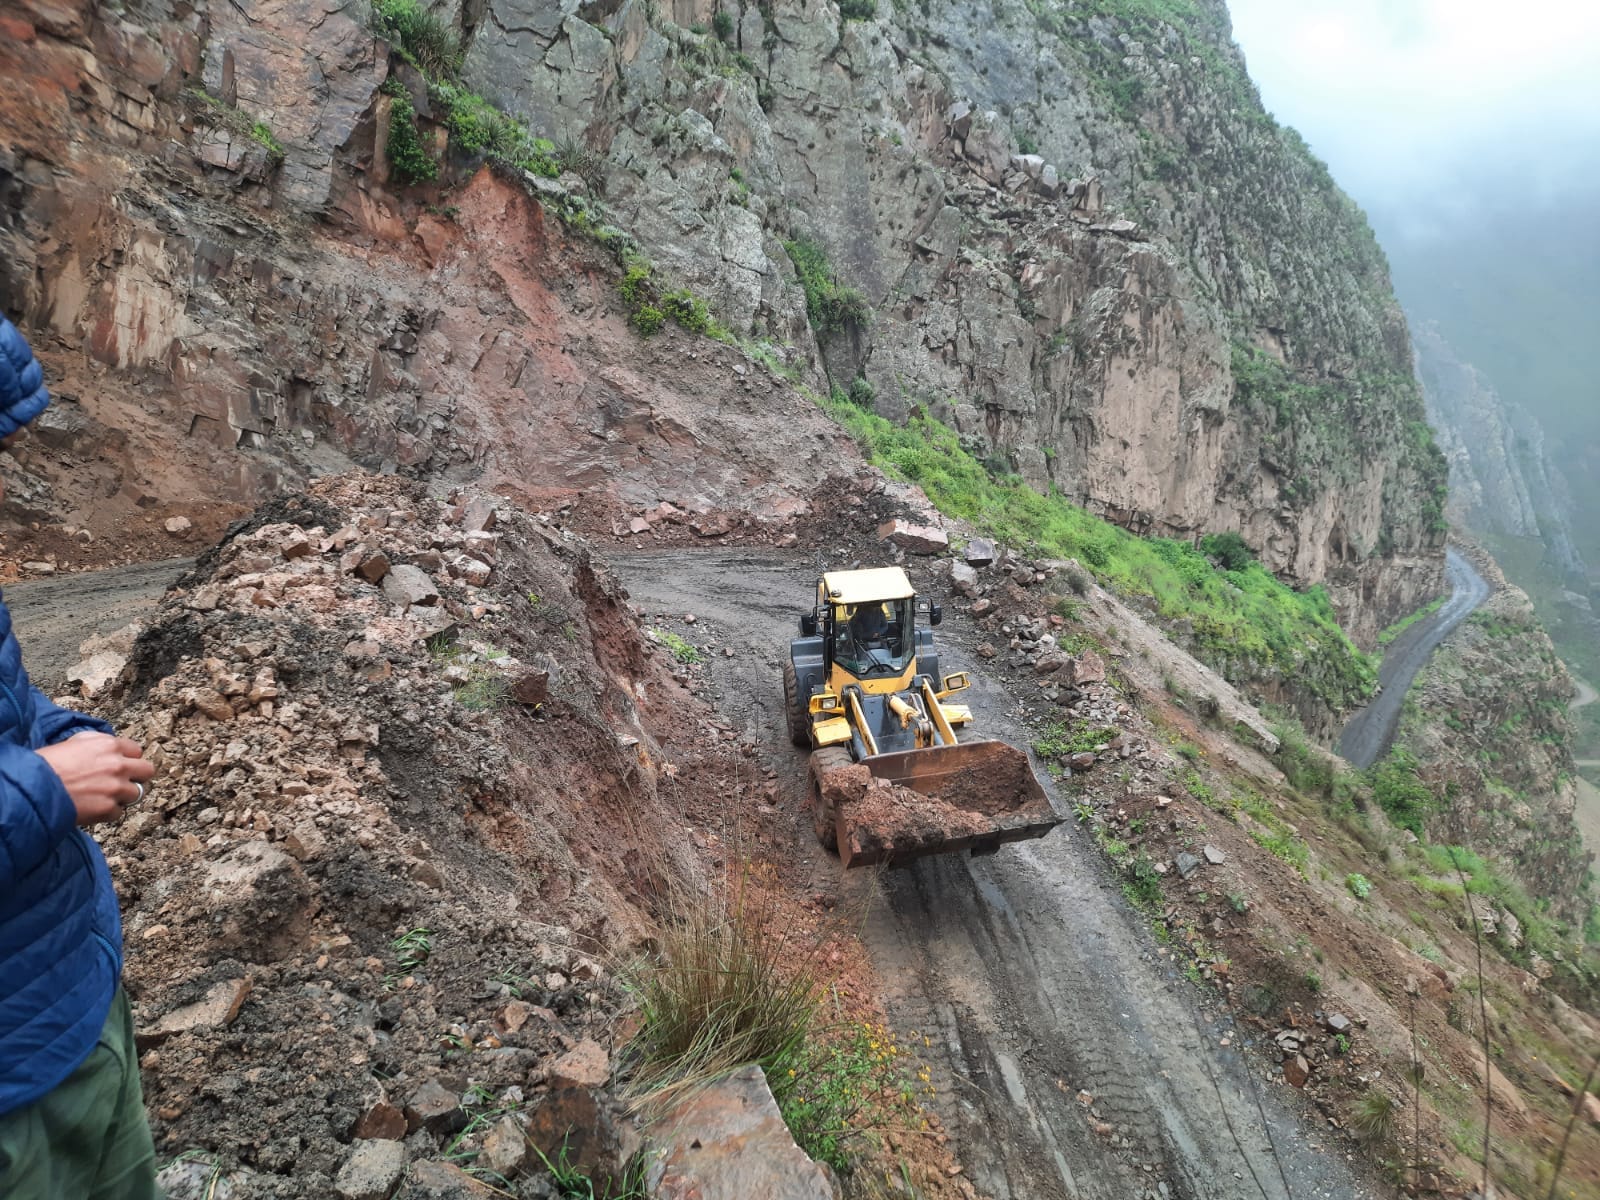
(795, 710)
(823, 818)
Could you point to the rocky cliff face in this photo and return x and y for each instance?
(201, 221)
(1502, 479)
(1078, 310)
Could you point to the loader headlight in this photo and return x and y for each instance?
(829, 703)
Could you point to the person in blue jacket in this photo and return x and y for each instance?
(72, 1121)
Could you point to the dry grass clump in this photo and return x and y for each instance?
(728, 986)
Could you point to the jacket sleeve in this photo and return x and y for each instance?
(35, 813)
(52, 723)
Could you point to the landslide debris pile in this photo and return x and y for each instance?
(404, 794)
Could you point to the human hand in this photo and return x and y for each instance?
(101, 773)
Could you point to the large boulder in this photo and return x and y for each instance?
(728, 1141)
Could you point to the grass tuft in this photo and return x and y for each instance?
(725, 989)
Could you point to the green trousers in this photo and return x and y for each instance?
(88, 1139)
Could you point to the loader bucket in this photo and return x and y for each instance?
(912, 803)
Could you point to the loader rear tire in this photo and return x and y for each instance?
(794, 709)
(823, 818)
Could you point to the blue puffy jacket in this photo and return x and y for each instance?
(60, 935)
(22, 391)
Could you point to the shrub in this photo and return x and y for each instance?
(407, 155)
(858, 10)
(431, 44)
(858, 1074)
(1360, 886)
(1374, 1115)
(261, 132)
(1229, 549)
(647, 319)
(478, 127)
(1400, 792)
(861, 392)
(830, 305)
(635, 281)
(722, 26)
(688, 310)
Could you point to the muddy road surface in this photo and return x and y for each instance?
(52, 616)
(1028, 973)
(1371, 731)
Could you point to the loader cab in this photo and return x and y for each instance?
(865, 627)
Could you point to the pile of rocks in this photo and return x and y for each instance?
(384, 744)
(1305, 1048)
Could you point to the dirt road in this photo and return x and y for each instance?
(1029, 975)
(1028, 972)
(1371, 731)
(52, 616)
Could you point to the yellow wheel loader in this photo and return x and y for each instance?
(889, 778)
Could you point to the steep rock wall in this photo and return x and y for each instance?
(219, 326)
(1081, 329)
(1502, 479)
(274, 307)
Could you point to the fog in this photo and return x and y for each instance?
(1423, 108)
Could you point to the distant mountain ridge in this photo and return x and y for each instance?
(1503, 479)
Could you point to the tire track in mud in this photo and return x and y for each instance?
(1027, 972)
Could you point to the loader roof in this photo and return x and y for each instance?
(863, 587)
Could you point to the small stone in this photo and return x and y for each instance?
(1337, 1023)
(217, 1010)
(372, 1171)
(409, 585)
(382, 1122)
(915, 539)
(296, 545)
(964, 580)
(210, 702)
(980, 552)
(531, 687)
(1187, 864)
(505, 1148)
(373, 567)
(586, 1065)
(446, 1181)
(512, 1016)
(1296, 1071)
(435, 1107)
(1082, 761)
(1214, 856)
(178, 527)
(1088, 667)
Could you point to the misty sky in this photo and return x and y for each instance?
(1422, 104)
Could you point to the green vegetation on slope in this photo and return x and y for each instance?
(1245, 623)
(831, 305)
(1316, 422)
(1406, 622)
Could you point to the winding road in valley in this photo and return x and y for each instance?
(1027, 971)
(1371, 731)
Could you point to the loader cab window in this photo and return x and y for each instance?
(874, 639)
